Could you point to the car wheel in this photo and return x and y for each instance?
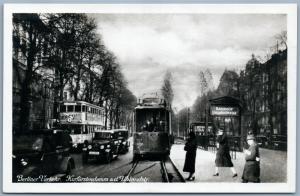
(69, 168)
(84, 159)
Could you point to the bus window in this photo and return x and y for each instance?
(63, 108)
(78, 108)
(70, 108)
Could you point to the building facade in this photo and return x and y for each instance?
(263, 89)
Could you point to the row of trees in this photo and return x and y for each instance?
(67, 50)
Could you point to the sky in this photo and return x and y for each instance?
(147, 45)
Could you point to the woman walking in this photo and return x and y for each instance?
(251, 171)
(190, 157)
(223, 158)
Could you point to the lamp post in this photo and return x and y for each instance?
(188, 122)
(177, 119)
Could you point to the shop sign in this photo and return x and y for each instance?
(224, 111)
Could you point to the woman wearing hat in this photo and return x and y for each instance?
(190, 157)
(223, 158)
(251, 171)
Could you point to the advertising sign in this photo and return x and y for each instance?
(224, 111)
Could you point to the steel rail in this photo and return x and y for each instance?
(164, 171)
(176, 170)
(135, 163)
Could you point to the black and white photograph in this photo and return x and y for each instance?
(149, 98)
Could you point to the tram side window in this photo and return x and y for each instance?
(78, 108)
(70, 108)
(63, 108)
(83, 108)
(75, 129)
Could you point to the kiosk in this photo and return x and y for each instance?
(226, 113)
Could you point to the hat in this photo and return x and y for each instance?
(250, 137)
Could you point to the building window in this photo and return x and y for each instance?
(65, 95)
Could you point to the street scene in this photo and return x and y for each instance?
(137, 98)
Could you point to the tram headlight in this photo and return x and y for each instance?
(89, 147)
(102, 147)
(124, 143)
(108, 146)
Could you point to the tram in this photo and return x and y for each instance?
(152, 133)
(81, 119)
(204, 137)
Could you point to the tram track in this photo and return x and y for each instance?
(155, 171)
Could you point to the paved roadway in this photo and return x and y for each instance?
(271, 161)
(146, 171)
(118, 167)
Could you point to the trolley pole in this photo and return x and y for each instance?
(178, 127)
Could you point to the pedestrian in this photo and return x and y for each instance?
(150, 126)
(190, 157)
(251, 171)
(223, 158)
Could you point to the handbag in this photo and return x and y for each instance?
(187, 147)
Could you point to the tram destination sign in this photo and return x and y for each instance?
(224, 111)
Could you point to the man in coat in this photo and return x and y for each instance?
(223, 158)
(251, 171)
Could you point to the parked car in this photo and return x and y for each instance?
(104, 146)
(278, 142)
(42, 152)
(124, 144)
(262, 141)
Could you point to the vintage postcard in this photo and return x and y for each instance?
(149, 98)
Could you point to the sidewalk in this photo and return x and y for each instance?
(273, 165)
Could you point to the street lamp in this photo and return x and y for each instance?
(177, 119)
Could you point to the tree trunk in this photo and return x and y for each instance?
(25, 91)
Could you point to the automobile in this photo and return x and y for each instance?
(104, 146)
(42, 152)
(262, 141)
(124, 143)
(278, 142)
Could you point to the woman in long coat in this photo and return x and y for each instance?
(251, 171)
(190, 157)
(223, 158)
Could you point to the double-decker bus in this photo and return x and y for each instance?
(152, 128)
(82, 119)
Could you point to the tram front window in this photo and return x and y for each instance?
(151, 120)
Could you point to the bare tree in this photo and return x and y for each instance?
(167, 89)
(282, 38)
(30, 38)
